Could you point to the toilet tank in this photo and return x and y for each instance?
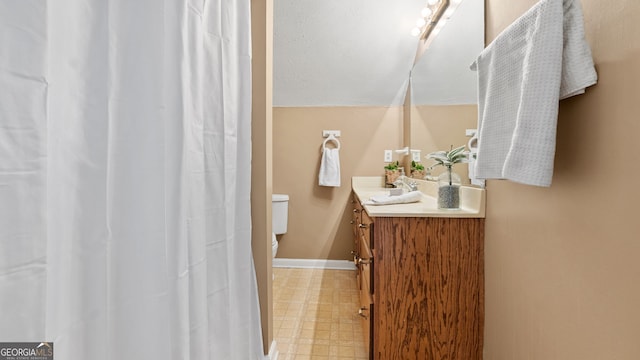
(279, 213)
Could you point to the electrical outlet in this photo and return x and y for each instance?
(388, 156)
(415, 155)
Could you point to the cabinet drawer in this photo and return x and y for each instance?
(366, 228)
(355, 225)
(356, 215)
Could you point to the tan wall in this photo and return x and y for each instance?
(319, 216)
(261, 178)
(562, 263)
(435, 128)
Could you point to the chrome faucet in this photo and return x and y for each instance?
(401, 182)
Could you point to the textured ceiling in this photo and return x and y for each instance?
(360, 52)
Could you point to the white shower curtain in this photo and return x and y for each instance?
(125, 229)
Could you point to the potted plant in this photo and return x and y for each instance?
(449, 182)
(417, 170)
(391, 172)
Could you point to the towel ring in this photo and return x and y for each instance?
(330, 138)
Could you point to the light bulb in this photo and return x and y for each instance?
(426, 12)
(421, 22)
(415, 31)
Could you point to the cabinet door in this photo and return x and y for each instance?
(366, 317)
(366, 262)
(365, 268)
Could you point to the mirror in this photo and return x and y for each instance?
(443, 89)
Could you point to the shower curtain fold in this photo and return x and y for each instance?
(125, 224)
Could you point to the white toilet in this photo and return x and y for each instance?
(279, 218)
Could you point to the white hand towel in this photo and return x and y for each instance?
(410, 197)
(539, 59)
(330, 168)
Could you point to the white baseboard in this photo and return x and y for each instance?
(273, 352)
(314, 264)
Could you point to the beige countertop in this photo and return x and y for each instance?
(472, 200)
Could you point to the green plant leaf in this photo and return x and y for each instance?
(392, 166)
(448, 158)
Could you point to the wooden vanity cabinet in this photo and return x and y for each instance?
(423, 279)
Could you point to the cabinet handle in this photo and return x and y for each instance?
(356, 211)
(362, 313)
(362, 261)
(356, 258)
(363, 226)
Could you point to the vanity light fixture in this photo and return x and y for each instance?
(434, 15)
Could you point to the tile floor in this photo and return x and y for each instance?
(315, 315)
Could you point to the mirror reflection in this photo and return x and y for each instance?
(441, 75)
(443, 88)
